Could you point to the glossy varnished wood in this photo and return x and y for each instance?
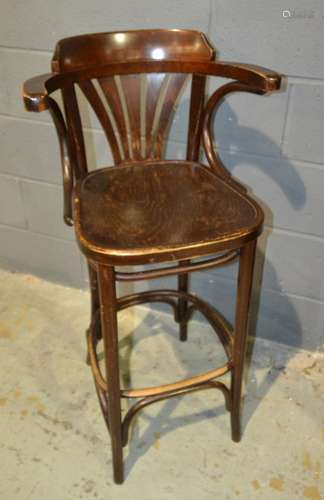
(95, 49)
(146, 210)
(157, 211)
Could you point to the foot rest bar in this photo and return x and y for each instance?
(142, 403)
(218, 323)
(177, 386)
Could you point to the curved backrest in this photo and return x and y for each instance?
(84, 51)
(134, 110)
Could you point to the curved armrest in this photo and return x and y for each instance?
(35, 92)
(37, 98)
(212, 105)
(260, 78)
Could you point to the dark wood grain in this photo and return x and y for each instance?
(155, 211)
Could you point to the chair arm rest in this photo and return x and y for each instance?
(213, 104)
(260, 78)
(36, 95)
(35, 92)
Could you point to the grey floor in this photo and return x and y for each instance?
(54, 444)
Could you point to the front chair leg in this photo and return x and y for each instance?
(246, 266)
(108, 314)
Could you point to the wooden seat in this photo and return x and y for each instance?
(160, 211)
(146, 210)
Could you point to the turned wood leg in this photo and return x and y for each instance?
(108, 313)
(246, 265)
(183, 282)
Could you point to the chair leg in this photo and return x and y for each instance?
(183, 283)
(245, 278)
(95, 303)
(108, 310)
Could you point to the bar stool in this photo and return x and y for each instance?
(148, 210)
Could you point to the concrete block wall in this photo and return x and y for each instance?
(274, 144)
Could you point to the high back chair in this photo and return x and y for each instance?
(148, 210)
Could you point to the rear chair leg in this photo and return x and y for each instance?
(108, 311)
(183, 283)
(246, 265)
(95, 303)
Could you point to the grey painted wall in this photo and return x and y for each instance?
(274, 144)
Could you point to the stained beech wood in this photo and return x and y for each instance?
(144, 209)
(244, 290)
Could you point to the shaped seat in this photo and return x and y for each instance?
(159, 211)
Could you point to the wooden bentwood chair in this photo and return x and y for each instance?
(147, 210)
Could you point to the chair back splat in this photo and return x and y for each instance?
(134, 111)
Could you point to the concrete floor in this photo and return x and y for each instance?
(54, 444)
